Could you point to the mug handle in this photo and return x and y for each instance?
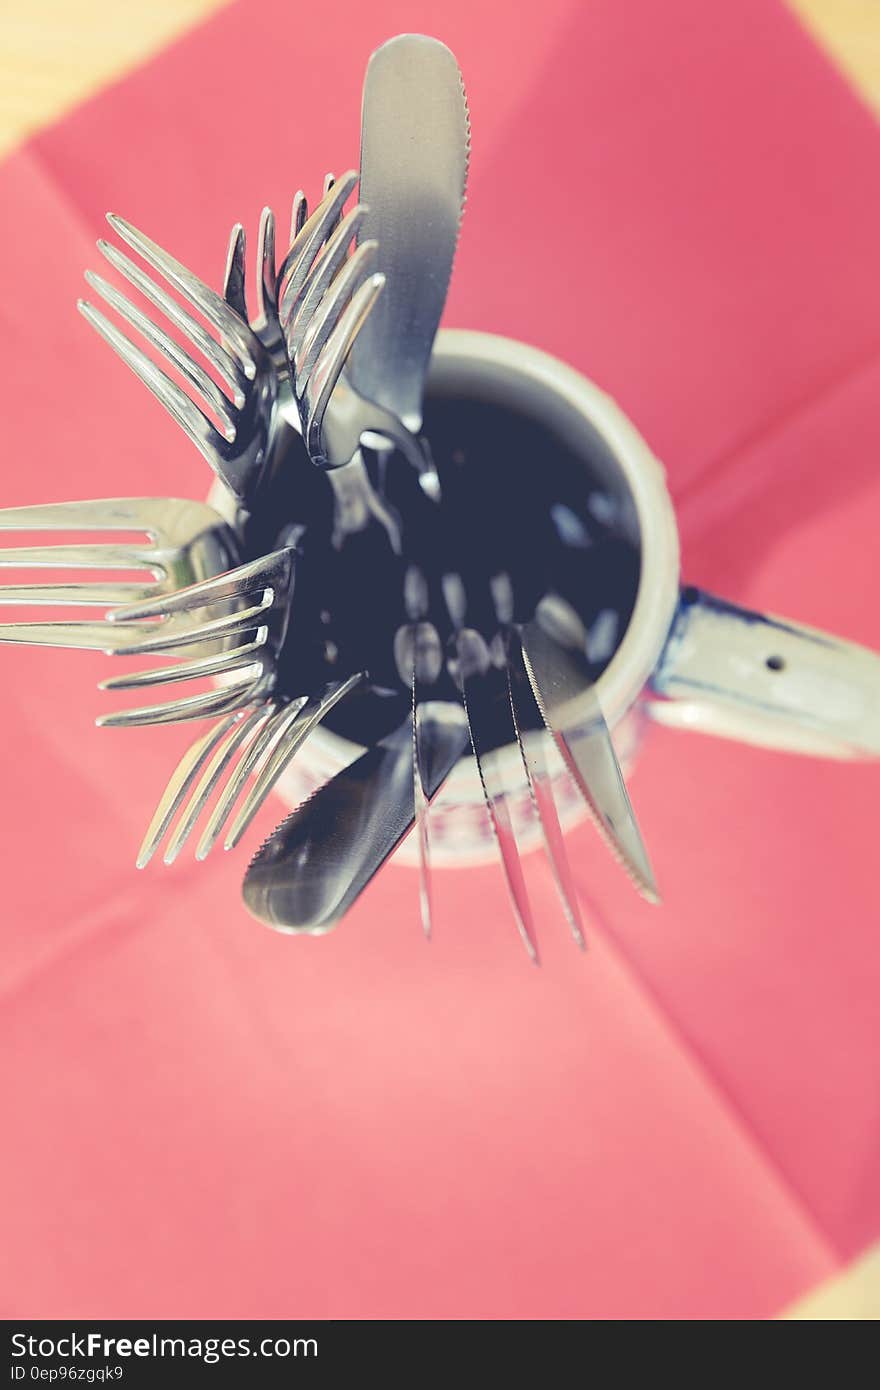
(738, 674)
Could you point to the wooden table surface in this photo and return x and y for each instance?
(55, 53)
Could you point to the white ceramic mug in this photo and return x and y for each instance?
(685, 658)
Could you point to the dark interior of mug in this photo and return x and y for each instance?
(530, 492)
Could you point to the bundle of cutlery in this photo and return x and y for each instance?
(381, 573)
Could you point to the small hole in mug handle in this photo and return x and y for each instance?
(775, 663)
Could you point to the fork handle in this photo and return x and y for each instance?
(392, 434)
(358, 502)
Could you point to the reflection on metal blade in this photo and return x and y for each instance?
(563, 687)
(426, 662)
(316, 864)
(420, 803)
(481, 686)
(526, 714)
(415, 144)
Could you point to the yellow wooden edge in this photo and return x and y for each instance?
(849, 31)
(56, 53)
(852, 1296)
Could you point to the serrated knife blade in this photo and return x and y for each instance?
(566, 696)
(415, 146)
(480, 683)
(316, 864)
(530, 730)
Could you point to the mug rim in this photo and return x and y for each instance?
(638, 654)
(628, 671)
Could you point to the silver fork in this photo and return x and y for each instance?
(230, 426)
(185, 541)
(325, 296)
(234, 623)
(251, 748)
(265, 322)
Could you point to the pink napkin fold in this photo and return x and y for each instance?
(207, 1119)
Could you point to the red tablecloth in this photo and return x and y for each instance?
(206, 1119)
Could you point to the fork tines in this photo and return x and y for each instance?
(265, 321)
(177, 535)
(325, 294)
(309, 235)
(234, 623)
(227, 422)
(251, 749)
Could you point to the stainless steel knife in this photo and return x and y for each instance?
(566, 695)
(415, 145)
(481, 682)
(319, 860)
(528, 725)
